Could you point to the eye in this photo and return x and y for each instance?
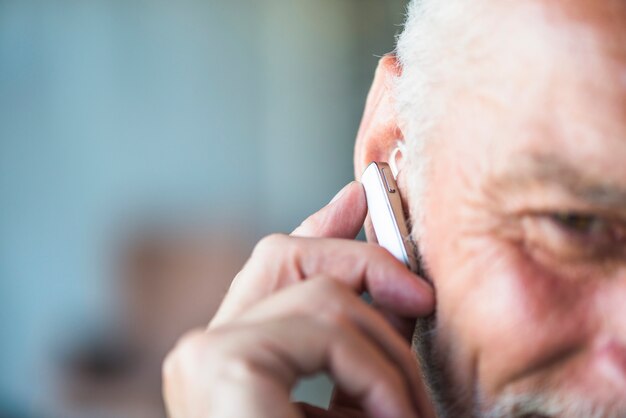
(575, 237)
(581, 223)
(576, 244)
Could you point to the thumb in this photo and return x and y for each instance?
(343, 217)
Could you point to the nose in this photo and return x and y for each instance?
(609, 347)
(609, 357)
(608, 303)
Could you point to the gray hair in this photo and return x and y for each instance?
(432, 50)
(438, 41)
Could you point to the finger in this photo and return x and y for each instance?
(348, 406)
(207, 375)
(343, 217)
(404, 326)
(327, 298)
(298, 345)
(279, 261)
(311, 411)
(249, 370)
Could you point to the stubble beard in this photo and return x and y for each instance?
(451, 400)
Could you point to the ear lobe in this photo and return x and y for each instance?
(379, 132)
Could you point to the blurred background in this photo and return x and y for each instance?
(145, 146)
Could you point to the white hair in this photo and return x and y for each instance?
(431, 50)
(553, 404)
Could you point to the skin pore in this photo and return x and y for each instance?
(524, 218)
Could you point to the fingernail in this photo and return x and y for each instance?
(340, 193)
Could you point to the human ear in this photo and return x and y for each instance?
(380, 137)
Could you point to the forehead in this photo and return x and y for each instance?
(552, 43)
(549, 78)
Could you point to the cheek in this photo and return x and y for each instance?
(505, 317)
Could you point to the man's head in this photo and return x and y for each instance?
(513, 119)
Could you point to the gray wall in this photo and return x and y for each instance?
(114, 112)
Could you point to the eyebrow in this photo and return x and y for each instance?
(530, 169)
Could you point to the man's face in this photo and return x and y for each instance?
(525, 217)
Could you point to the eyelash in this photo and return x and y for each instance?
(579, 223)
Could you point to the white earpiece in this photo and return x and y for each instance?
(397, 153)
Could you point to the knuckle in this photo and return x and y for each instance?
(337, 319)
(190, 341)
(323, 284)
(326, 286)
(319, 291)
(214, 353)
(330, 290)
(380, 253)
(237, 369)
(312, 223)
(328, 296)
(269, 244)
(389, 385)
(185, 351)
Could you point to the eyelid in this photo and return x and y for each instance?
(607, 217)
(556, 201)
(581, 223)
(573, 255)
(615, 226)
(543, 230)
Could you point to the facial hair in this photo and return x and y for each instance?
(451, 400)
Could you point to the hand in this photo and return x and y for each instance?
(293, 311)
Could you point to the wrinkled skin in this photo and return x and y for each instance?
(294, 310)
(525, 230)
(524, 239)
